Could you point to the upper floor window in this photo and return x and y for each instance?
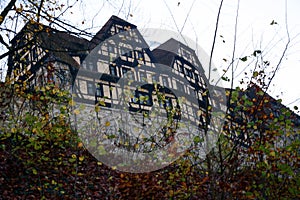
(196, 77)
(127, 73)
(99, 90)
(186, 54)
(180, 86)
(154, 78)
(111, 48)
(139, 55)
(143, 76)
(126, 52)
(188, 73)
(119, 28)
(113, 70)
(178, 66)
(165, 81)
(142, 98)
(90, 88)
(91, 66)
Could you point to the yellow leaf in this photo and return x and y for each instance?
(199, 112)
(272, 153)
(76, 112)
(34, 130)
(79, 145)
(73, 156)
(81, 158)
(107, 123)
(72, 103)
(97, 108)
(99, 163)
(46, 151)
(34, 171)
(13, 130)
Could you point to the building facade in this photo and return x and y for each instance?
(132, 85)
(116, 70)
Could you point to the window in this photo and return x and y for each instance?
(180, 86)
(127, 73)
(188, 73)
(34, 53)
(168, 103)
(139, 55)
(84, 64)
(143, 77)
(99, 90)
(129, 54)
(186, 54)
(154, 78)
(178, 66)
(165, 81)
(124, 71)
(113, 70)
(90, 88)
(91, 66)
(196, 77)
(142, 98)
(111, 48)
(181, 69)
(119, 28)
(113, 30)
(125, 52)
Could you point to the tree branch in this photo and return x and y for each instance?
(214, 41)
(6, 10)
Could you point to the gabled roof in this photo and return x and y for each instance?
(59, 43)
(103, 34)
(46, 36)
(168, 51)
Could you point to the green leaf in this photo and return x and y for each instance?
(255, 74)
(256, 52)
(224, 78)
(71, 160)
(197, 140)
(34, 171)
(273, 22)
(244, 59)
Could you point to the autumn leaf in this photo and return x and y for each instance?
(107, 123)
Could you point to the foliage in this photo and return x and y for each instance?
(41, 157)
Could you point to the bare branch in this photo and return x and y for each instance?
(214, 40)
(284, 50)
(173, 18)
(6, 10)
(187, 16)
(39, 11)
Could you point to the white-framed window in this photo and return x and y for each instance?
(90, 88)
